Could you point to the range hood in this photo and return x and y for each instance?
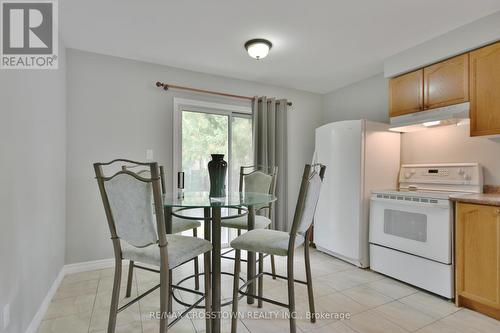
(457, 114)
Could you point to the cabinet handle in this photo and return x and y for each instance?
(498, 211)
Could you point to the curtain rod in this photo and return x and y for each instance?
(167, 86)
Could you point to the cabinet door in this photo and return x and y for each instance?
(485, 90)
(478, 254)
(405, 93)
(447, 83)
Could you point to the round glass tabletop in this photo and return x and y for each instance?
(232, 199)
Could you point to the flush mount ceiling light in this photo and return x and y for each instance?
(258, 48)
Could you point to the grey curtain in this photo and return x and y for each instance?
(270, 149)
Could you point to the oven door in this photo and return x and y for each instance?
(413, 225)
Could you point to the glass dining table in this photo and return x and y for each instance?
(212, 217)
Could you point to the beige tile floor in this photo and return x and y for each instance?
(368, 301)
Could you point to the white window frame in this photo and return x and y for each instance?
(183, 104)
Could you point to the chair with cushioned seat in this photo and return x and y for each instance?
(139, 234)
(280, 243)
(178, 225)
(257, 179)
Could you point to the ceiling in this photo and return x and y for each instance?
(319, 45)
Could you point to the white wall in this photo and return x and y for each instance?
(364, 99)
(449, 144)
(32, 188)
(465, 38)
(114, 110)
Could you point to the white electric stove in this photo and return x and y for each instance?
(411, 229)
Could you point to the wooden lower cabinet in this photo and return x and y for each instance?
(477, 258)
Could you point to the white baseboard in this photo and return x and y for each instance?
(67, 269)
(35, 322)
(88, 266)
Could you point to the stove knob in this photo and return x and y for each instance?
(461, 171)
(409, 173)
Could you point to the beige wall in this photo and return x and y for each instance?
(453, 144)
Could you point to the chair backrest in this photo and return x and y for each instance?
(258, 179)
(128, 197)
(147, 173)
(310, 188)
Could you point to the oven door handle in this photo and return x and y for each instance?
(442, 205)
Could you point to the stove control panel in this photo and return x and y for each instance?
(441, 176)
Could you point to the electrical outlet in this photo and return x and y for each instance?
(6, 316)
(149, 154)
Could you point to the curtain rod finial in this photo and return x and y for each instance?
(160, 84)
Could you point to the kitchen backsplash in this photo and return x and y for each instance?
(451, 144)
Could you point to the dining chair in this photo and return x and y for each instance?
(280, 243)
(259, 179)
(139, 235)
(178, 225)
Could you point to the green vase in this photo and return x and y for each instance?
(217, 168)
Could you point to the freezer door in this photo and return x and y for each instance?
(337, 219)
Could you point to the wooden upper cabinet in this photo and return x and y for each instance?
(473, 77)
(405, 93)
(485, 90)
(442, 84)
(477, 257)
(447, 82)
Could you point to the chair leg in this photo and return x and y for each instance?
(113, 310)
(273, 267)
(260, 287)
(165, 299)
(129, 278)
(273, 263)
(309, 282)
(170, 298)
(236, 285)
(196, 267)
(208, 292)
(291, 294)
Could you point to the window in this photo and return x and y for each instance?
(202, 129)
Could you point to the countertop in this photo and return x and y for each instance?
(492, 199)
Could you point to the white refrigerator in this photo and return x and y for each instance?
(360, 156)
